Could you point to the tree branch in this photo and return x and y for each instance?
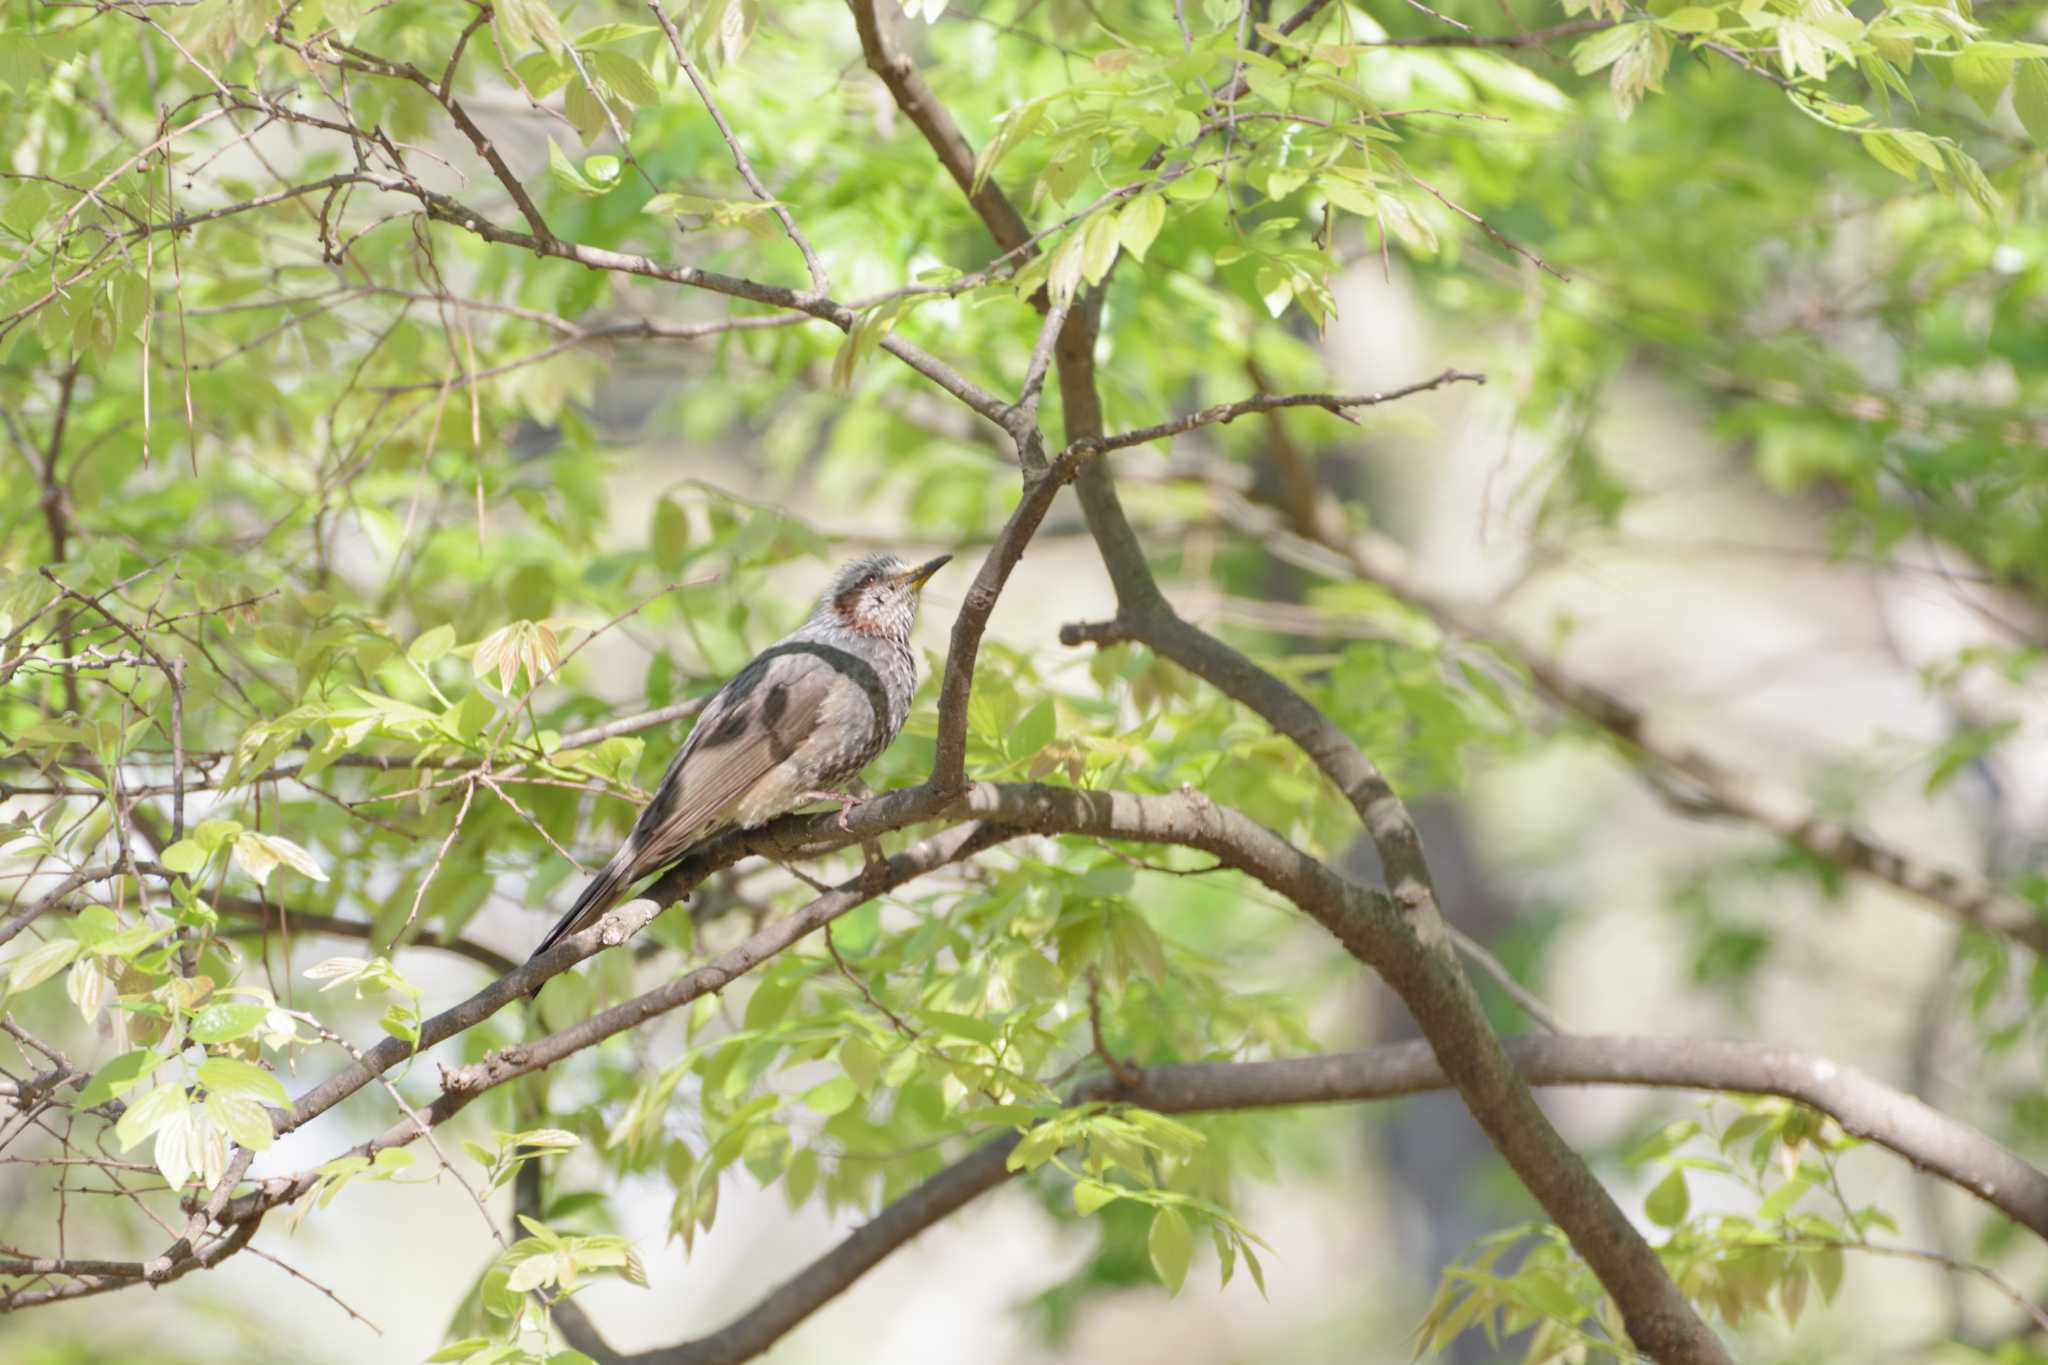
(1230, 412)
(1864, 1107)
(820, 283)
(948, 143)
(1964, 896)
(440, 208)
(1418, 960)
(1413, 953)
(464, 1084)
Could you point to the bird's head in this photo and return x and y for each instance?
(877, 595)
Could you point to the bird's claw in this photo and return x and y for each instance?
(845, 802)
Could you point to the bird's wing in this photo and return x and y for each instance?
(769, 710)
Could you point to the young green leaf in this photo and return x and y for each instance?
(1170, 1244)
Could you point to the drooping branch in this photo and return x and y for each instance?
(1863, 1107)
(442, 209)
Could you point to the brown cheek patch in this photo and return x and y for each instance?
(846, 606)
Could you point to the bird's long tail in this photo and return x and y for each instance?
(602, 892)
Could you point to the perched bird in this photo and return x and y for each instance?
(805, 716)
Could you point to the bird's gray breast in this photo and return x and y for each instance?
(866, 681)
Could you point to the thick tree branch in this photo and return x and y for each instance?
(1353, 912)
(1862, 1106)
(1419, 961)
(1414, 954)
(948, 143)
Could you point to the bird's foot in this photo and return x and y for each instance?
(846, 803)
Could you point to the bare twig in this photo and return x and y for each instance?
(1230, 412)
(820, 283)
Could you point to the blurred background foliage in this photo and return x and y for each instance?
(1764, 277)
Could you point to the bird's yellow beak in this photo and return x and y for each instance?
(916, 577)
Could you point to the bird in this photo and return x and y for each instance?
(804, 717)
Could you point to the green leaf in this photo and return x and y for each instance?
(1691, 19)
(1064, 275)
(1099, 247)
(1139, 223)
(2030, 98)
(1983, 75)
(1780, 1201)
(40, 963)
(769, 1002)
(225, 1021)
(149, 1114)
(587, 113)
(833, 1096)
(1038, 728)
(861, 1063)
(543, 73)
(214, 835)
(243, 1120)
(565, 174)
(88, 988)
(431, 645)
(188, 1144)
(184, 857)
(862, 340)
(1965, 749)
(1194, 187)
(1669, 1202)
(261, 854)
(627, 76)
(1828, 1265)
(1606, 47)
(1667, 1139)
(1887, 151)
(227, 1076)
(119, 1076)
(604, 35)
(965, 1026)
(1170, 1244)
(668, 536)
(1090, 1195)
(26, 205)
